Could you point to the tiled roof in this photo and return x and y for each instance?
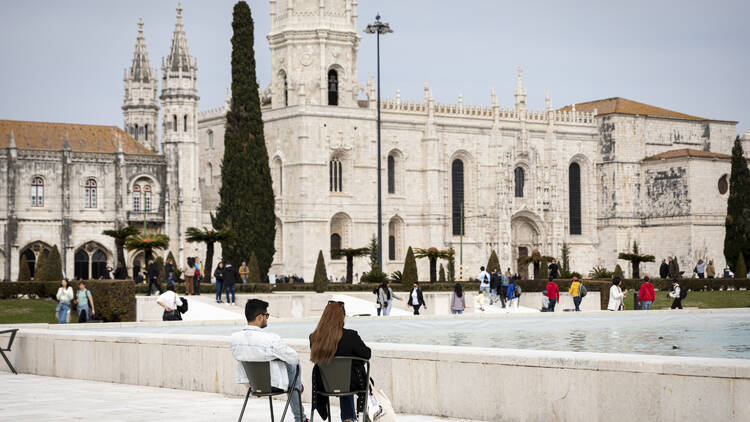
(83, 138)
(687, 152)
(619, 105)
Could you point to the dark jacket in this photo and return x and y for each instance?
(219, 274)
(230, 275)
(554, 270)
(349, 345)
(664, 270)
(494, 281)
(169, 271)
(420, 298)
(152, 272)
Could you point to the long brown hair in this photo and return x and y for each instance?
(325, 339)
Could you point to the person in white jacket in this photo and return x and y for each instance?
(616, 296)
(64, 297)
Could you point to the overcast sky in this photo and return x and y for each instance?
(63, 60)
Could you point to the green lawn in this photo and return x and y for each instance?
(703, 300)
(20, 311)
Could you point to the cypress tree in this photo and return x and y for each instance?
(737, 238)
(409, 275)
(24, 274)
(441, 274)
(741, 268)
(40, 266)
(246, 205)
(253, 275)
(320, 281)
(618, 272)
(493, 264)
(52, 266)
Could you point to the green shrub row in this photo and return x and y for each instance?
(114, 300)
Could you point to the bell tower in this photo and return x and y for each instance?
(314, 46)
(140, 107)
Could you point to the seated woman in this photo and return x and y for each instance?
(330, 339)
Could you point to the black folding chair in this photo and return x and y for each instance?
(259, 377)
(12, 332)
(337, 380)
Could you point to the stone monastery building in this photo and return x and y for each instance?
(596, 175)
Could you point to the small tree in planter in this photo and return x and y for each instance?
(350, 254)
(320, 281)
(374, 275)
(635, 259)
(433, 254)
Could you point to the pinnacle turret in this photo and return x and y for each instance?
(141, 104)
(179, 55)
(140, 69)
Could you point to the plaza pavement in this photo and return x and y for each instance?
(41, 399)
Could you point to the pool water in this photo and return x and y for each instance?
(722, 335)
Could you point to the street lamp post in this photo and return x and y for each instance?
(378, 28)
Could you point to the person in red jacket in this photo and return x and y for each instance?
(553, 293)
(646, 294)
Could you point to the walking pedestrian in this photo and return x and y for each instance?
(230, 276)
(385, 297)
(710, 270)
(189, 273)
(170, 302)
(512, 295)
(244, 272)
(646, 294)
(458, 301)
(700, 269)
(616, 296)
(664, 269)
(575, 291)
(152, 273)
(84, 303)
(677, 294)
(169, 271)
(494, 287)
(504, 281)
(553, 293)
(219, 276)
(64, 297)
(484, 281)
(137, 279)
(416, 300)
(554, 272)
(198, 275)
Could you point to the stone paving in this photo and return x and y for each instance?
(36, 398)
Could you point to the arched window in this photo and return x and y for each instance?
(81, 266)
(336, 177)
(519, 179)
(136, 198)
(147, 198)
(333, 87)
(37, 192)
(277, 177)
(30, 261)
(90, 194)
(574, 196)
(211, 138)
(335, 241)
(457, 194)
(209, 174)
(395, 238)
(174, 123)
(184, 123)
(145, 132)
(136, 132)
(391, 248)
(391, 174)
(98, 264)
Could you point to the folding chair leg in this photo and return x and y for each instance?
(8, 362)
(270, 402)
(244, 404)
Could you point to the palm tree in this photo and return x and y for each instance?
(120, 235)
(538, 260)
(635, 259)
(433, 254)
(350, 254)
(147, 243)
(209, 236)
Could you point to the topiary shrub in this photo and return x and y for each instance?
(741, 271)
(253, 275)
(375, 277)
(409, 275)
(114, 300)
(40, 266)
(441, 274)
(320, 281)
(618, 272)
(24, 273)
(493, 264)
(52, 266)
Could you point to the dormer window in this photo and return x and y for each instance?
(333, 88)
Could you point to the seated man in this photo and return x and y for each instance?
(253, 345)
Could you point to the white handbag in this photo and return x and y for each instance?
(379, 408)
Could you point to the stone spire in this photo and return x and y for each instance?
(520, 93)
(140, 69)
(179, 57)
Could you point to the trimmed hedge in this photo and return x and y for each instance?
(114, 300)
